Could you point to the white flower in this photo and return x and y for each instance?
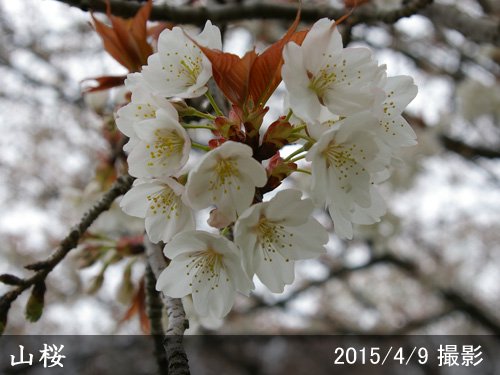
(159, 201)
(320, 72)
(344, 213)
(226, 177)
(207, 266)
(393, 128)
(273, 234)
(143, 106)
(163, 148)
(179, 68)
(344, 161)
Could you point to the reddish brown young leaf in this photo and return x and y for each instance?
(265, 74)
(111, 43)
(126, 40)
(105, 82)
(155, 30)
(299, 36)
(138, 306)
(248, 82)
(231, 72)
(140, 31)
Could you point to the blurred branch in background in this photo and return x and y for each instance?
(247, 11)
(43, 268)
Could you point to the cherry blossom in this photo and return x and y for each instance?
(273, 234)
(225, 177)
(143, 106)
(321, 73)
(208, 267)
(163, 148)
(343, 116)
(343, 162)
(160, 202)
(179, 68)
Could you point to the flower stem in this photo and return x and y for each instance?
(186, 126)
(299, 128)
(200, 146)
(302, 171)
(306, 137)
(297, 158)
(295, 153)
(213, 103)
(194, 112)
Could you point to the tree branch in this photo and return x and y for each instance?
(43, 268)
(155, 314)
(177, 322)
(479, 30)
(466, 151)
(455, 299)
(255, 10)
(334, 273)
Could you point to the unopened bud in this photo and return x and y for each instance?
(217, 219)
(34, 307)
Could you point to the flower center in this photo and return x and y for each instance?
(192, 67)
(225, 172)
(164, 202)
(343, 158)
(273, 238)
(320, 82)
(189, 65)
(165, 145)
(206, 266)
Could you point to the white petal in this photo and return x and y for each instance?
(185, 242)
(134, 202)
(401, 91)
(210, 36)
(287, 208)
(173, 280)
(308, 240)
(277, 273)
(216, 302)
(342, 225)
(253, 169)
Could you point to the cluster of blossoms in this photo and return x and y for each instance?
(343, 118)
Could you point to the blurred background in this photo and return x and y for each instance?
(431, 266)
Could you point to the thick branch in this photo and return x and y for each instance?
(480, 30)
(177, 323)
(254, 10)
(155, 314)
(43, 268)
(468, 152)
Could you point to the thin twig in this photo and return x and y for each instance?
(43, 268)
